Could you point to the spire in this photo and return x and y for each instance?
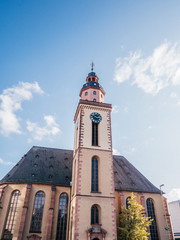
(92, 66)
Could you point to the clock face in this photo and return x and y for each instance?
(95, 117)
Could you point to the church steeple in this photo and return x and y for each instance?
(92, 90)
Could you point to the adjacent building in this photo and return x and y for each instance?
(174, 209)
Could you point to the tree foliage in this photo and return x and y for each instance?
(133, 224)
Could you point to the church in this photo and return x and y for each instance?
(58, 194)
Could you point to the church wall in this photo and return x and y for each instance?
(90, 95)
(59, 191)
(105, 185)
(104, 143)
(120, 200)
(5, 205)
(84, 216)
(35, 188)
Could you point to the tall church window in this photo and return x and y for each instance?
(94, 134)
(127, 202)
(62, 217)
(151, 213)
(94, 214)
(94, 175)
(11, 216)
(37, 212)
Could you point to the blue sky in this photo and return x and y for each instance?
(46, 48)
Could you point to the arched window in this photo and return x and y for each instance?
(151, 213)
(94, 175)
(11, 216)
(62, 217)
(127, 202)
(94, 92)
(94, 134)
(86, 93)
(94, 214)
(37, 212)
(94, 100)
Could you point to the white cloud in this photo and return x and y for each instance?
(173, 95)
(126, 110)
(115, 152)
(130, 150)
(154, 72)
(115, 109)
(173, 195)
(10, 102)
(5, 163)
(51, 128)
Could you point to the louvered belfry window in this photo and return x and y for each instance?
(94, 134)
(94, 215)
(151, 213)
(62, 217)
(11, 216)
(94, 175)
(37, 214)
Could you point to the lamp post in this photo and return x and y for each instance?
(166, 227)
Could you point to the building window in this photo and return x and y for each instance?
(151, 214)
(94, 214)
(94, 134)
(94, 92)
(11, 216)
(37, 212)
(93, 79)
(94, 174)
(62, 217)
(89, 79)
(127, 202)
(94, 100)
(86, 93)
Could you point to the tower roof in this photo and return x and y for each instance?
(92, 90)
(53, 166)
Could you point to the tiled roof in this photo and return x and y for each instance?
(127, 177)
(42, 165)
(54, 166)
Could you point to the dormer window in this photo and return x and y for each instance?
(86, 93)
(94, 92)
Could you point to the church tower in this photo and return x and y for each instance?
(92, 213)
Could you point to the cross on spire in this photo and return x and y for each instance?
(92, 66)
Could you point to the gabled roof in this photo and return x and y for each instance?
(54, 166)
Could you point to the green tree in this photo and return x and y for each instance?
(133, 224)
